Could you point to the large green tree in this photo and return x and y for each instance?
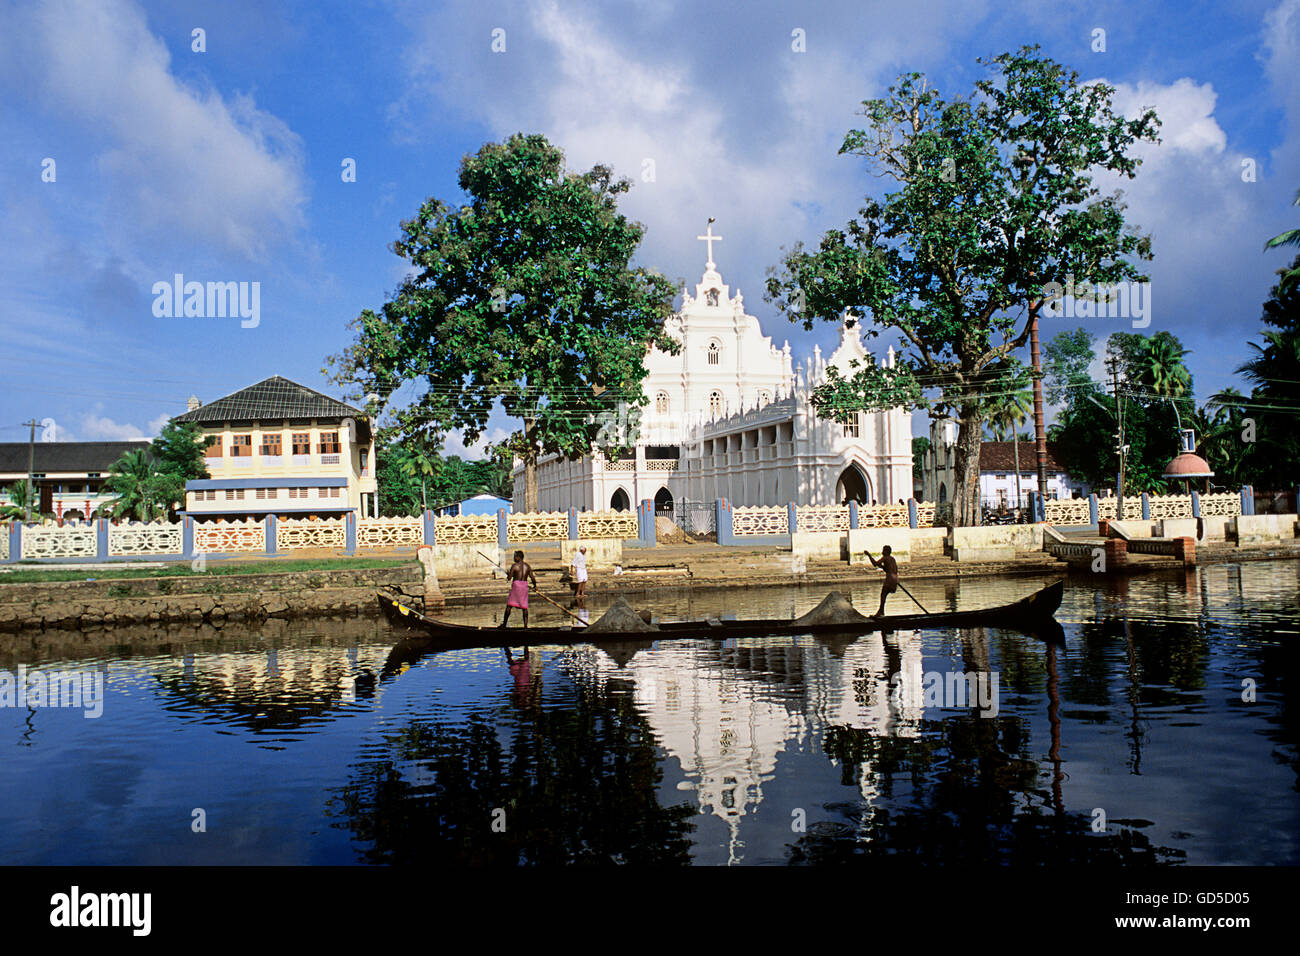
(525, 295)
(150, 482)
(996, 206)
(1291, 237)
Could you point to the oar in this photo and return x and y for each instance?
(905, 590)
(539, 590)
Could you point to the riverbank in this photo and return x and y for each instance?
(257, 590)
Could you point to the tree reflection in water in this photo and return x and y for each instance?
(577, 784)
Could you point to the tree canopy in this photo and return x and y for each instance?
(996, 202)
(525, 295)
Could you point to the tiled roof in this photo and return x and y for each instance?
(65, 456)
(273, 399)
(999, 456)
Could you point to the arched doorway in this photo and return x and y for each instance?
(852, 486)
(664, 503)
(620, 501)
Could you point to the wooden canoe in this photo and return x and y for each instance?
(1032, 614)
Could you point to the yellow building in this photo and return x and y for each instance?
(281, 448)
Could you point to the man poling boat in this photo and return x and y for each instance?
(889, 564)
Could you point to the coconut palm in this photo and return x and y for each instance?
(1007, 412)
(17, 507)
(1289, 238)
(1161, 369)
(132, 479)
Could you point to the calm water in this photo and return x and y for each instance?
(307, 744)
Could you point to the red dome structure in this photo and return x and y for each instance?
(1188, 464)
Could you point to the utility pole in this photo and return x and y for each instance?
(1112, 365)
(31, 466)
(1040, 429)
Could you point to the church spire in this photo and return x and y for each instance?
(710, 238)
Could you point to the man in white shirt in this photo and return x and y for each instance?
(579, 571)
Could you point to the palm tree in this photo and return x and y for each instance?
(1161, 367)
(17, 507)
(1007, 412)
(1289, 238)
(130, 481)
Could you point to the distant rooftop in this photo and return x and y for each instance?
(275, 398)
(1001, 456)
(60, 457)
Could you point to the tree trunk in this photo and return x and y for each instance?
(530, 468)
(966, 496)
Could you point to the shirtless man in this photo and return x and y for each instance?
(890, 567)
(519, 574)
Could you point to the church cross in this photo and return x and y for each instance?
(710, 238)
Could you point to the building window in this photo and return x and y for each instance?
(334, 492)
(298, 492)
(853, 429)
(271, 444)
(329, 443)
(213, 450)
(365, 459)
(661, 403)
(715, 353)
(302, 443)
(234, 494)
(241, 446)
(715, 403)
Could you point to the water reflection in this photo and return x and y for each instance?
(324, 742)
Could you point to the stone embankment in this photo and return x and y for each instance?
(200, 598)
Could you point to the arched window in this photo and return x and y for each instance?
(943, 493)
(711, 297)
(715, 403)
(661, 403)
(715, 353)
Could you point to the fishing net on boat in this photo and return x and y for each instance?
(834, 609)
(621, 618)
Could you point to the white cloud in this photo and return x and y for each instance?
(98, 427)
(178, 161)
(455, 444)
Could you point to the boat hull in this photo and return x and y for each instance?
(1033, 614)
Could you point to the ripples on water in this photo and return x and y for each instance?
(308, 744)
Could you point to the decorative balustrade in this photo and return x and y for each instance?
(4, 542)
(465, 529)
(1069, 511)
(760, 521)
(608, 524)
(822, 517)
(225, 537)
(51, 541)
(620, 466)
(389, 532)
(885, 516)
(1169, 506)
(293, 533)
(661, 464)
(538, 526)
(1221, 505)
(155, 538)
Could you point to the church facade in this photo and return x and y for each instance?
(729, 416)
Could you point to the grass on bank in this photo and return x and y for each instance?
(33, 574)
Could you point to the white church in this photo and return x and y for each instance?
(729, 416)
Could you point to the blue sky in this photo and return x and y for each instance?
(225, 165)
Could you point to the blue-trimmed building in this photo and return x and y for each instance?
(478, 505)
(281, 448)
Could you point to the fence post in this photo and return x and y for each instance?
(1146, 506)
(101, 539)
(645, 522)
(723, 522)
(187, 536)
(350, 533)
(913, 519)
(792, 520)
(269, 523)
(430, 530)
(853, 516)
(1094, 513)
(503, 529)
(573, 524)
(15, 541)
(1196, 504)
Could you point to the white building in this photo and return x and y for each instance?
(997, 470)
(729, 416)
